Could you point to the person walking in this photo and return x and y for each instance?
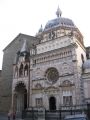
(14, 116)
(9, 115)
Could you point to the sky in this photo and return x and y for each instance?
(26, 16)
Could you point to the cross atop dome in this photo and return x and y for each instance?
(58, 12)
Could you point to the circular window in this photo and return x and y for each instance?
(52, 75)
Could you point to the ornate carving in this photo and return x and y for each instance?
(51, 90)
(38, 86)
(66, 83)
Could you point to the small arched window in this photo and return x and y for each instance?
(21, 70)
(26, 70)
(82, 58)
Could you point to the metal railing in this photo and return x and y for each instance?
(41, 113)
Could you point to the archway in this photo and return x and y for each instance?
(21, 97)
(52, 103)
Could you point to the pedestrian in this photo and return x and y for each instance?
(9, 115)
(14, 116)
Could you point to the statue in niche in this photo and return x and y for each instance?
(26, 70)
(21, 70)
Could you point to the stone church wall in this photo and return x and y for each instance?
(7, 68)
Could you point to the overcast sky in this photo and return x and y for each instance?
(26, 16)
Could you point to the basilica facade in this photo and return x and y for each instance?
(49, 70)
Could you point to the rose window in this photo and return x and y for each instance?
(52, 75)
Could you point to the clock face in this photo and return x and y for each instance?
(52, 35)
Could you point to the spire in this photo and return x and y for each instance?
(24, 48)
(58, 12)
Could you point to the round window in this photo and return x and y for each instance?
(52, 75)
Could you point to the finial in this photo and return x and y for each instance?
(41, 28)
(58, 12)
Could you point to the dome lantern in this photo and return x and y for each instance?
(58, 12)
(41, 29)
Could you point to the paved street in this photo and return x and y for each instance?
(4, 117)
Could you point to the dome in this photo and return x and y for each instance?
(59, 22)
(86, 64)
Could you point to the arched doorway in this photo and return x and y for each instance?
(21, 97)
(52, 103)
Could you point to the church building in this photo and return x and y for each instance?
(49, 70)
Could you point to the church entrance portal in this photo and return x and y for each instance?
(52, 103)
(21, 97)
